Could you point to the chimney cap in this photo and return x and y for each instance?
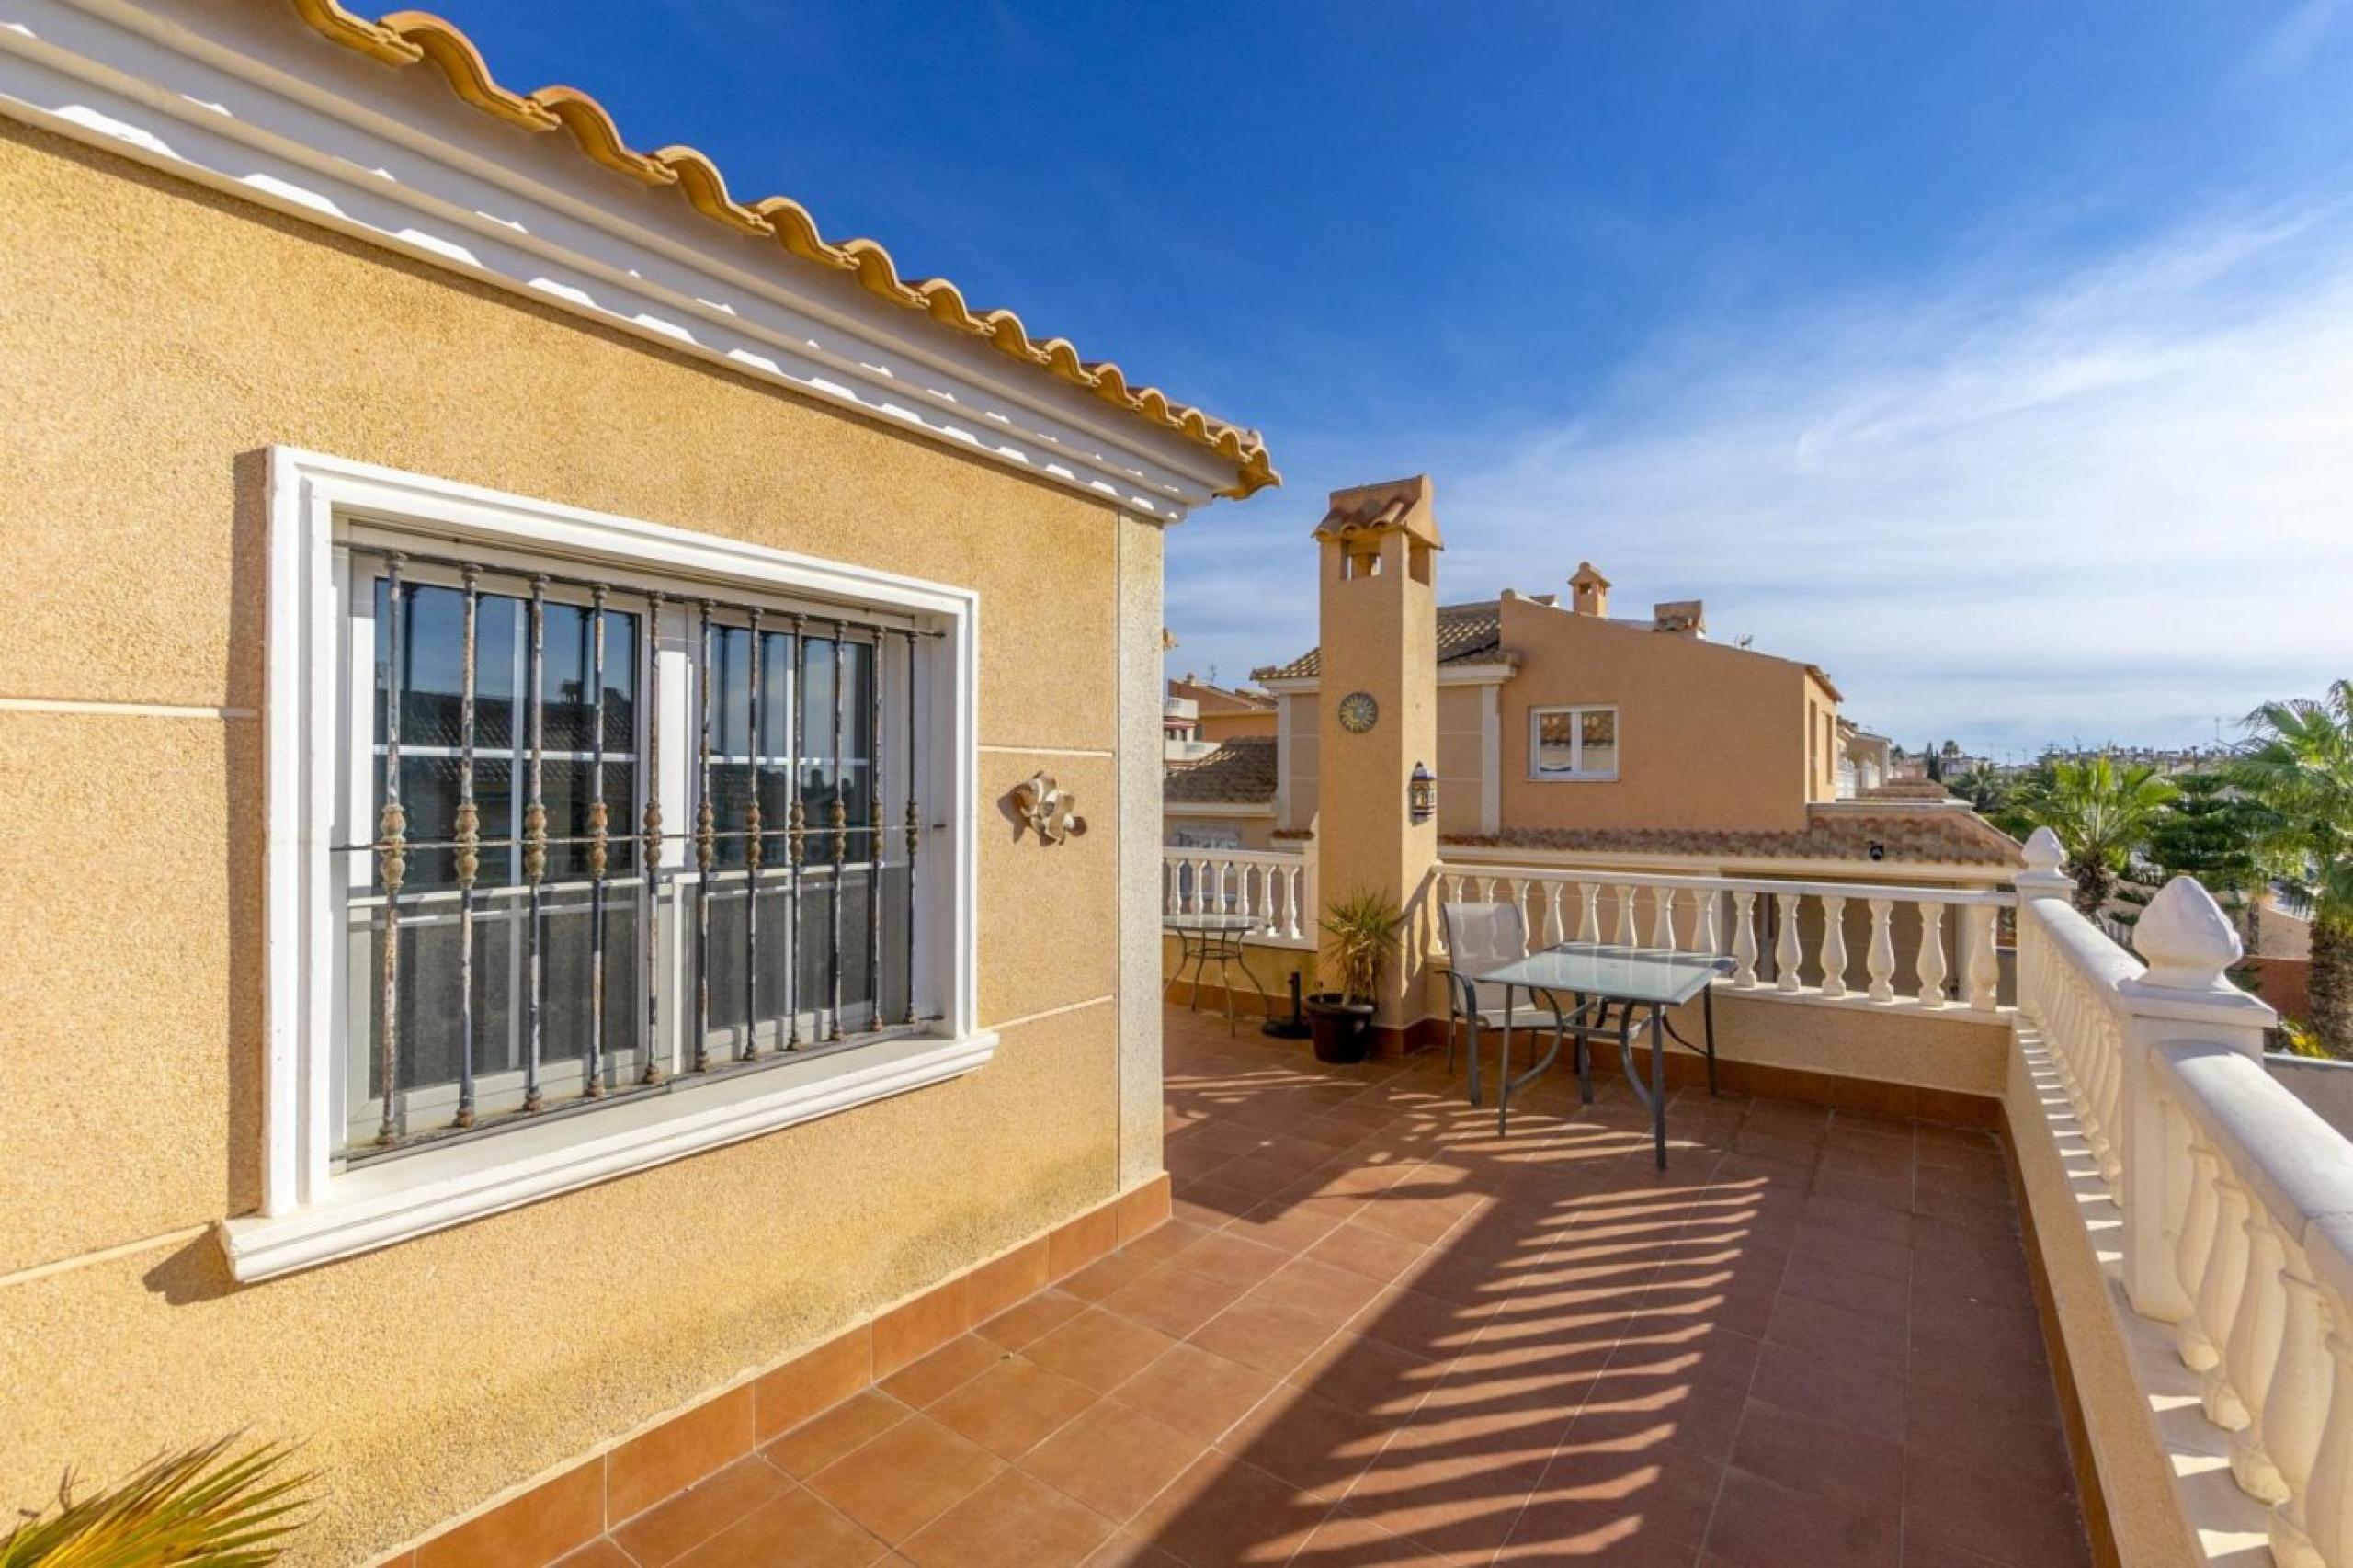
(1681, 615)
(1586, 577)
(1401, 506)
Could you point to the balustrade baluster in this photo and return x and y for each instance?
(1709, 938)
(1625, 937)
(1662, 918)
(1932, 955)
(2253, 1355)
(1552, 934)
(2221, 1298)
(1834, 945)
(1589, 912)
(2318, 1527)
(1880, 961)
(1744, 939)
(1787, 955)
(2297, 1406)
(2195, 1249)
(1979, 971)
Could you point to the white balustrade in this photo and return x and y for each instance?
(1720, 915)
(1271, 888)
(2236, 1198)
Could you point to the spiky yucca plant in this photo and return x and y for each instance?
(1359, 932)
(203, 1505)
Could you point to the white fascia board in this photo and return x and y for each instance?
(1217, 809)
(241, 99)
(1293, 687)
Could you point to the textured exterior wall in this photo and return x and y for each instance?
(1255, 832)
(1300, 757)
(1460, 761)
(156, 339)
(1709, 736)
(1221, 728)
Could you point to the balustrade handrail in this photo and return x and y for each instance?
(1983, 898)
(2236, 1197)
(1273, 888)
(1719, 915)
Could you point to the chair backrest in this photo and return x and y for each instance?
(1481, 937)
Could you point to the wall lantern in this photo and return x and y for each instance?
(1421, 794)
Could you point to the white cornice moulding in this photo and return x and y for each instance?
(245, 101)
(1447, 674)
(394, 1200)
(1216, 809)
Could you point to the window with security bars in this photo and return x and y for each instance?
(589, 882)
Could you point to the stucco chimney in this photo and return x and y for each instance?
(1688, 617)
(1589, 591)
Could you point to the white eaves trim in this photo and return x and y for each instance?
(1217, 808)
(241, 98)
(393, 1201)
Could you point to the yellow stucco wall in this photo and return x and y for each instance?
(1710, 736)
(155, 338)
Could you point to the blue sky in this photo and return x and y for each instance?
(1997, 357)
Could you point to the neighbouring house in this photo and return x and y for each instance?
(539, 952)
(1566, 734)
(1225, 712)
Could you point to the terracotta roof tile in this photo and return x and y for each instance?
(402, 39)
(1940, 838)
(1239, 773)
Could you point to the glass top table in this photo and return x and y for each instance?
(1214, 938)
(1598, 978)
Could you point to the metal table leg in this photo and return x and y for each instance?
(1658, 1085)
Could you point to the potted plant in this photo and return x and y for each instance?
(1358, 932)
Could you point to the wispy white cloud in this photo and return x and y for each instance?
(2115, 501)
(2294, 39)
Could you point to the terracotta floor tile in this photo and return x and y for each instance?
(1221, 1512)
(1368, 1375)
(1099, 1349)
(1758, 1524)
(1012, 1407)
(1192, 1389)
(1376, 1255)
(797, 1527)
(1428, 1325)
(815, 1444)
(1816, 1457)
(1993, 1515)
(1114, 1458)
(950, 1367)
(1319, 1446)
(599, 1553)
(1348, 1538)
(1318, 1289)
(1173, 1298)
(1038, 1316)
(1858, 1399)
(1224, 1255)
(1269, 1338)
(1105, 1275)
(1128, 1549)
(1871, 1295)
(1838, 1338)
(906, 1478)
(1615, 1504)
(1014, 1521)
(671, 1529)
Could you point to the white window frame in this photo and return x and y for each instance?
(1577, 772)
(312, 1211)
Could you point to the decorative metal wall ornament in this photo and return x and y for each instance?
(1046, 809)
(1358, 713)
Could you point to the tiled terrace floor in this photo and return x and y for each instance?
(1372, 1333)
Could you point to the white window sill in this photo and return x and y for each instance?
(1572, 778)
(392, 1200)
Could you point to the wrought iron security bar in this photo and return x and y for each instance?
(520, 972)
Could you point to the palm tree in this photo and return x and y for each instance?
(2300, 771)
(2101, 813)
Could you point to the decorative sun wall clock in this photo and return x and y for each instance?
(1358, 713)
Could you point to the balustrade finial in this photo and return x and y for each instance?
(2184, 938)
(2043, 851)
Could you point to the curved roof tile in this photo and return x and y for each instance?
(404, 38)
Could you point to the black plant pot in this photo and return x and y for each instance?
(1343, 1030)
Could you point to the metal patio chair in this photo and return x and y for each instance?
(1479, 938)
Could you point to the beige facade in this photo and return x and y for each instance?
(1710, 736)
(160, 339)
